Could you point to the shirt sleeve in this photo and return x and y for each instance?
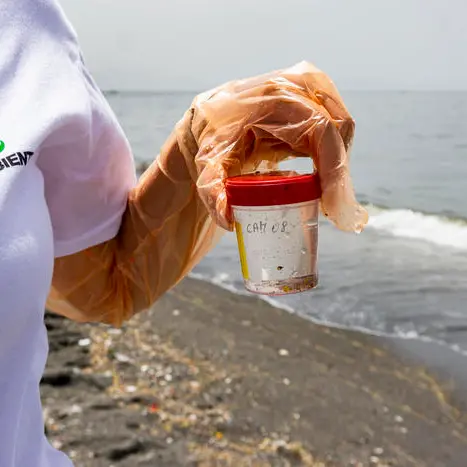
(88, 171)
(51, 104)
(84, 155)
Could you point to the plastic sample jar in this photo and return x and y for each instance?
(276, 222)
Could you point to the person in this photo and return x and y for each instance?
(80, 234)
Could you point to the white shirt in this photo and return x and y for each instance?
(65, 172)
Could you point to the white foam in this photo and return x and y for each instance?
(222, 280)
(416, 225)
(277, 304)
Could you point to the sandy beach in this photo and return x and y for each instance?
(209, 378)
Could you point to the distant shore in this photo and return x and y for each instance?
(209, 378)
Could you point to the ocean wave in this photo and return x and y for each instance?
(222, 280)
(437, 229)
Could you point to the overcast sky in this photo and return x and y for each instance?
(196, 44)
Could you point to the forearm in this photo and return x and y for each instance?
(165, 231)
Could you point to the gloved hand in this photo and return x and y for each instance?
(266, 119)
(173, 215)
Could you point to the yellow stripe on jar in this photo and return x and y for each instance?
(241, 251)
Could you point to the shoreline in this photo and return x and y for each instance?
(439, 356)
(209, 377)
(424, 340)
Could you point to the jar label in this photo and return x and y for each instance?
(278, 243)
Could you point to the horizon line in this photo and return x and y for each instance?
(195, 92)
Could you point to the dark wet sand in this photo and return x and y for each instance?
(209, 378)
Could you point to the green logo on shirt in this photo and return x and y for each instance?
(2, 146)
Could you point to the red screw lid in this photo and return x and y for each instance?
(272, 188)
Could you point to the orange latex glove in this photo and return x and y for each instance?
(179, 207)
